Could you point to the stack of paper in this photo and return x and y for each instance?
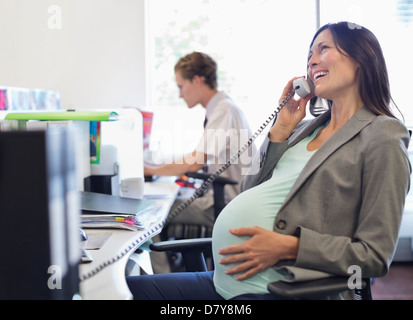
(107, 211)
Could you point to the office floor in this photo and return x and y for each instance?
(396, 285)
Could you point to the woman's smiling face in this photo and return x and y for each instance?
(333, 72)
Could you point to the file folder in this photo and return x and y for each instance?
(106, 211)
(99, 203)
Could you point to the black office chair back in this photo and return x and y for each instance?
(218, 186)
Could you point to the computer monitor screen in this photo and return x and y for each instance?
(39, 212)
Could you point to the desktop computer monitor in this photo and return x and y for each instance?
(39, 216)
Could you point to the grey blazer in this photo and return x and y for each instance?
(346, 206)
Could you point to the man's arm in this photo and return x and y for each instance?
(189, 163)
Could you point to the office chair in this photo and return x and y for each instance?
(187, 231)
(218, 188)
(193, 257)
(190, 231)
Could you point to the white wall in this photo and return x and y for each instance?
(92, 51)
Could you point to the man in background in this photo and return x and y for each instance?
(225, 131)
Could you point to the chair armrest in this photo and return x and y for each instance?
(191, 249)
(311, 289)
(205, 176)
(184, 245)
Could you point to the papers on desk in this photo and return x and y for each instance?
(107, 211)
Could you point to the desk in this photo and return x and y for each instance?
(110, 283)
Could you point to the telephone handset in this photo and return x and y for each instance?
(300, 87)
(304, 87)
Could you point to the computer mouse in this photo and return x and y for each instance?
(83, 235)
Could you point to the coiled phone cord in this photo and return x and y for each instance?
(198, 193)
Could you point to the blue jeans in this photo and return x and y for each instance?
(181, 286)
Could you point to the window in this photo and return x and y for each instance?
(256, 46)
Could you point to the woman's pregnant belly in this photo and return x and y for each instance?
(255, 207)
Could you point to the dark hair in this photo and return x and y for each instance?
(198, 64)
(362, 46)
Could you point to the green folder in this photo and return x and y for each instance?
(64, 115)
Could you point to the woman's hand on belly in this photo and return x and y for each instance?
(263, 250)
